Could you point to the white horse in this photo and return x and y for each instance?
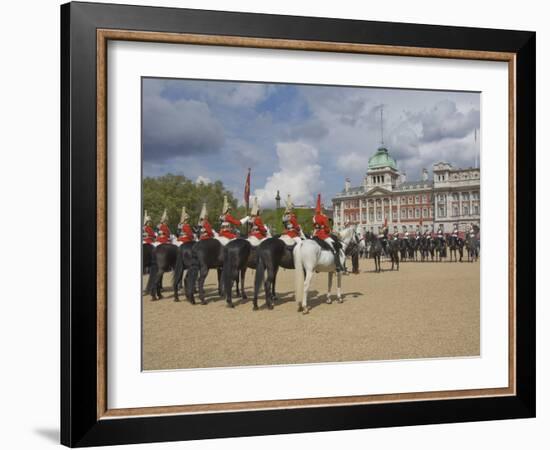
(310, 257)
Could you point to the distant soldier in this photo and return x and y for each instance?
(405, 232)
(418, 232)
(383, 237)
(395, 236)
(455, 231)
(149, 234)
(163, 229)
(206, 231)
(440, 233)
(228, 221)
(185, 232)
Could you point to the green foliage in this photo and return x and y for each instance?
(174, 191)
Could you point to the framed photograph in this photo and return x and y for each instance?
(277, 224)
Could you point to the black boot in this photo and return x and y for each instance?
(337, 261)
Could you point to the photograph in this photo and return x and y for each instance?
(305, 224)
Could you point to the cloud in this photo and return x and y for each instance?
(444, 121)
(178, 128)
(353, 162)
(313, 129)
(203, 180)
(299, 175)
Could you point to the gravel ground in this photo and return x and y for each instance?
(425, 310)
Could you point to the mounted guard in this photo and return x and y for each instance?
(164, 233)
(293, 232)
(228, 221)
(148, 234)
(205, 229)
(258, 231)
(185, 232)
(322, 233)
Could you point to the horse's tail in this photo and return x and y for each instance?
(191, 276)
(298, 273)
(260, 273)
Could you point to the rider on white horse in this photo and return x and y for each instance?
(293, 232)
(322, 231)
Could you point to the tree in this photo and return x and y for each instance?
(175, 191)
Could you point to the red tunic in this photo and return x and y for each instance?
(321, 225)
(206, 232)
(186, 233)
(259, 230)
(229, 218)
(294, 230)
(148, 235)
(164, 234)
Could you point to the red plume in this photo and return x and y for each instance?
(318, 206)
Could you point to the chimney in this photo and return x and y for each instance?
(347, 185)
(403, 177)
(424, 174)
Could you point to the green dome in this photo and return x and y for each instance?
(382, 159)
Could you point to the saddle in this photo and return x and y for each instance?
(325, 246)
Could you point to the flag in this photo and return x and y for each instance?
(247, 190)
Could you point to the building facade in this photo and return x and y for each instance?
(450, 196)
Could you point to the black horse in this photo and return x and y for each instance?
(455, 244)
(239, 255)
(440, 248)
(164, 259)
(184, 262)
(271, 254)
(472, 248)
(206, 254)
(393, 247)
(375, 250)
(412, 247)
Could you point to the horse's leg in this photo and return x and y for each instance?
(220, 284)
(202, 279)
(273, 292)
(339, 287)
(329, 288)
(307, 281)
(244, 298)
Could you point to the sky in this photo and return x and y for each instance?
(299, 139)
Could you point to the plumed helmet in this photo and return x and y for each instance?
(289, 204)
(318, 207)
(184, 216)
(164, 217)
(255, 210)
(146, 218)
(204, 212)
(226, 206)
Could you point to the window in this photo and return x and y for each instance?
(403, 213)
(476, 210)
(378, 214)
(466, 196)
(465, 210)
(424, 198)
(441, 211)
(363, 216)
(371, 216)
(410, 199)
(403, 199)
(411, 214)
(417, 199)
(455, 211)
(475, 195)
(425, 212)
(455, 196)
(417, 213)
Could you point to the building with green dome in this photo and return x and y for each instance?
(449, 196)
